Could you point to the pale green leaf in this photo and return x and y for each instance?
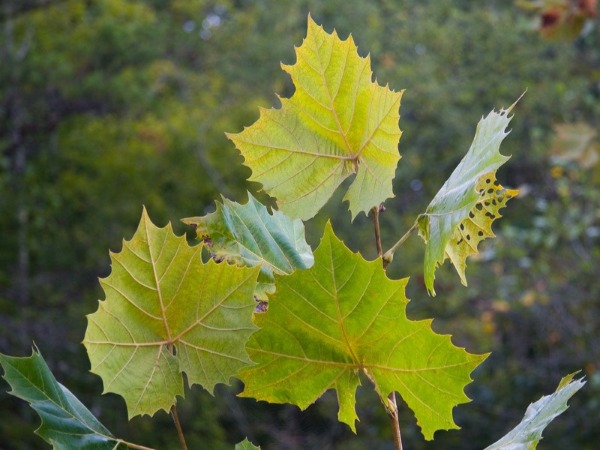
(66, 422)
(460, 196)
(343, 316)
(338, 122)
(166, 313)
(248, 235)
(527, 434)
(246, 445)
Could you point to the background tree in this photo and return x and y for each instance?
(106, 105)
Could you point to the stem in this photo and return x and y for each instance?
(395, 424)
(178, 426)
(375, 212)
(393, 412)
(136, 446)
(389, 255)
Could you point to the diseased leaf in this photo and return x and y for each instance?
(461, 201)
(66, 422)
(248, 235)
(246, 445)
(341, 317)
(477, 226)
(338, 122)
(165, 313)
(528, 433)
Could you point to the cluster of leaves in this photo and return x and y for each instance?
(332, 316)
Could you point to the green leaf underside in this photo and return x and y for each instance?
(248, 235)
(246, 445)
(460, 196)
(337, 123)
(66, 422)
(527, 434)
(165, 313)
(327, 324)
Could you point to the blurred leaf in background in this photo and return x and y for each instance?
(106, 105)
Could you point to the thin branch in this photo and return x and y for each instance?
(375, 211)
(388, 257)
(393, 414)
(179, 429)
(135, 446)
(393, 411)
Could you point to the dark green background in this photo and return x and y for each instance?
(106, 106)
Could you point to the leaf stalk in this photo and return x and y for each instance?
(393, 411)
(388, 256)
(134, 446)
(178, 427)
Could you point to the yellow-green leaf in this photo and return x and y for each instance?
(166, 313)
(477, 226)
(343, 316)
(338, 122)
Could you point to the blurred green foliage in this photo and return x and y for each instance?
(108, 105)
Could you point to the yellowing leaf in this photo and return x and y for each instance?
(343, 316)
(166, 313)
(461, 199)
(478, 224)
(338, 122)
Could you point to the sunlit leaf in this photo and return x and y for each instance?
(66, 422)
(166, 313)
(466, 199)
(343, 316)
(528, 433)
(338, 122)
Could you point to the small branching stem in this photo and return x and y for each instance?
(389, 255)
(376, 210)
(179, 429)
(134, 446)
(393, 409)
(395, 423)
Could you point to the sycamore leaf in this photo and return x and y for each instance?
(461, 199)
(246, 445)
(165, 313)
(66, 422)
(248, 235)
(337, 123)
(477, 226)
(528, 433)
(343, 316)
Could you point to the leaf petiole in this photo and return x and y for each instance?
(388, 256)
(134, 446)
